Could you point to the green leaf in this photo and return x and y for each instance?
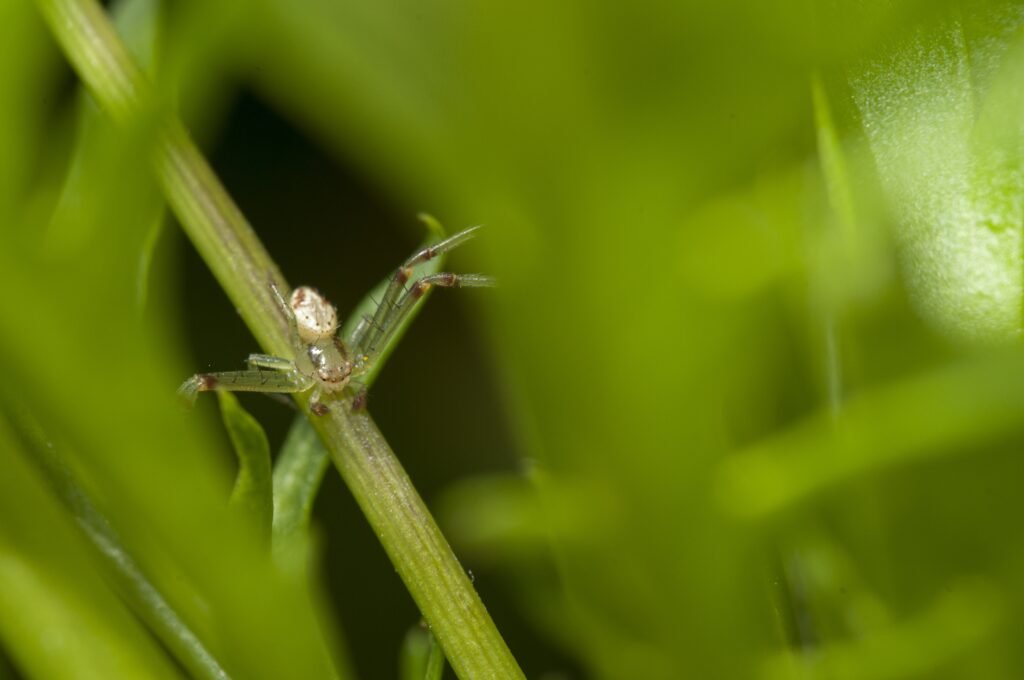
(298, 473)
(252, 490)
(421, 657)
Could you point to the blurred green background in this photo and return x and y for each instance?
(747, 403)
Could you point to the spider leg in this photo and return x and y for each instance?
(251, 380)
(293, 329)
(392, 321)
(368, 332)
(359, 390)
(359, 333)
(317, 407)
(258, 361)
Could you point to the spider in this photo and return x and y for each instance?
(324, 363)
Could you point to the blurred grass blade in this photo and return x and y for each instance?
(833, 168)
(27, 88)
(950, 169)
(57, 617)
(421, 657)
(512, 516)
(139, 23)
(958, 623)
(252, 491)
(913, 419)
(146, 257)
(833, 163)
(132, 584)
(69, 230)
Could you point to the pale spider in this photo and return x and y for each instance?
(323, 361)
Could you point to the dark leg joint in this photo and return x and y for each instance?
(318, 408)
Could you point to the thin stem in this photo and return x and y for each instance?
(417, 548)
(229, 246)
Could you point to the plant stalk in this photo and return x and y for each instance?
(238, 260)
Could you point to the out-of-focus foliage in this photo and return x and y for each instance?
(98, 374)
(252, 492)
(421, 657)
(942, 116)
(757, 332)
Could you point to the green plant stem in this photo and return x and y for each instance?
(233, 252)
(417, 548)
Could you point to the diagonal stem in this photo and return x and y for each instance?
(233, 252)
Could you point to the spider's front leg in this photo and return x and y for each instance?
(378, 333)
(368, 333)
(258, 361)
(288, 311)
(283, 377)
